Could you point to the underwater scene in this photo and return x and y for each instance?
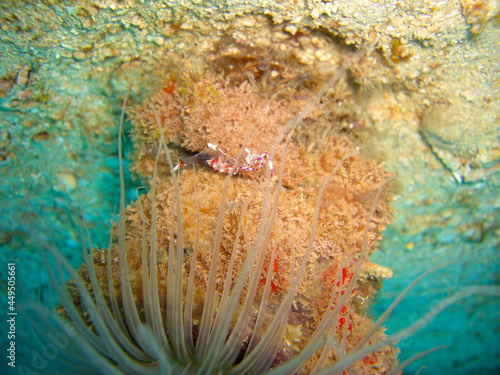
(250, 187)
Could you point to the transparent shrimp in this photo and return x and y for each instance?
(221, 162)
(212, 155)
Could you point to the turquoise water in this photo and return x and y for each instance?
(469, 328)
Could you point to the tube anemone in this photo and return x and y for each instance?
(215, 274)
(137, 314)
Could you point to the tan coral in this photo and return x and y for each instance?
(285, 249)
(342, 219)
(373, 271)
(211, 111)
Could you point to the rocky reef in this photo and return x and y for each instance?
(424, 102)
